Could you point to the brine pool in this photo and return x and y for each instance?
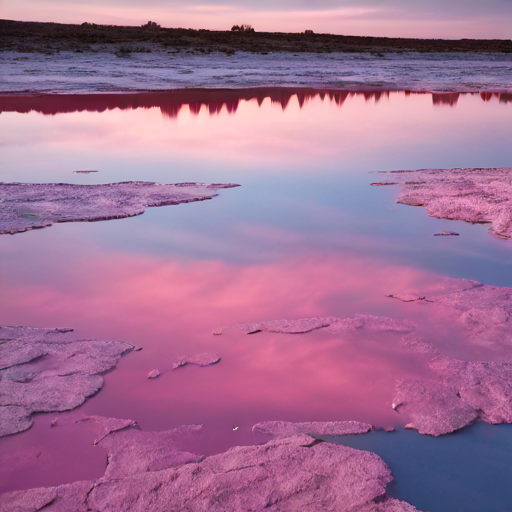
(305, 235)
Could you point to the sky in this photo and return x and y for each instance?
(450, 19)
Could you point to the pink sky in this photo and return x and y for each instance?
(394, 18)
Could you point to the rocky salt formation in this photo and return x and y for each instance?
(26, 206)
(147, 471)
(49, 370)
(331, 428)
(108, 425)
(203, 359)
(134, 451)
(472, 195)
(333, 325)
(64, 498)
(464, 392)
(153, 374)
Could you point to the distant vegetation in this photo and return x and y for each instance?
(242, 28)
(90, 37)
(151, 25)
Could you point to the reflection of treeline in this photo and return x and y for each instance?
(49, 37)
(170, 102)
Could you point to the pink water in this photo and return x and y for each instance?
(305, 235)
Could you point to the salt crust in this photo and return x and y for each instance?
(49, 370)
(333, 325)
(203, 359)
(147, 469)
(26, 206)
(473, 195)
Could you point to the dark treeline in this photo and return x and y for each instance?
(171, 102)
(51, 37)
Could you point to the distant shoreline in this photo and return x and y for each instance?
(52, 38)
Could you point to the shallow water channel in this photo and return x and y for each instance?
(305, 235)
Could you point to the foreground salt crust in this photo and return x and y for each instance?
(464, 392)
(26, 206)
(49, 370)
(471, 195)
(147, 471)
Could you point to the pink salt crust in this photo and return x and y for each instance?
(147, 471)
(25, 206)
(49, 370)
(203, 359)
(331, 428)
(471, 195)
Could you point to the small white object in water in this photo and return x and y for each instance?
(153, 374)
(235, 428)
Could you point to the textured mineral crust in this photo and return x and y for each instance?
(446, 233)
(203, 359)
(108, 425)
(133, 451)
(153, 374)
(64, 498)
(484, 311)
(49, 370)
(464, 392)
(472, 195)
(332, 325)
(332, 428)
(26, 206)
(146, 471)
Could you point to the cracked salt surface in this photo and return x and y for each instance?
(103, 71)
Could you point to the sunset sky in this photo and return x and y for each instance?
(396, 18)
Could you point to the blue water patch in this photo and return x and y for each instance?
(468, 471)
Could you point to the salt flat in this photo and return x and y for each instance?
(106, 71)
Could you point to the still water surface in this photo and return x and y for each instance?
(305, 235)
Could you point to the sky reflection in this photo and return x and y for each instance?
(305, 235)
